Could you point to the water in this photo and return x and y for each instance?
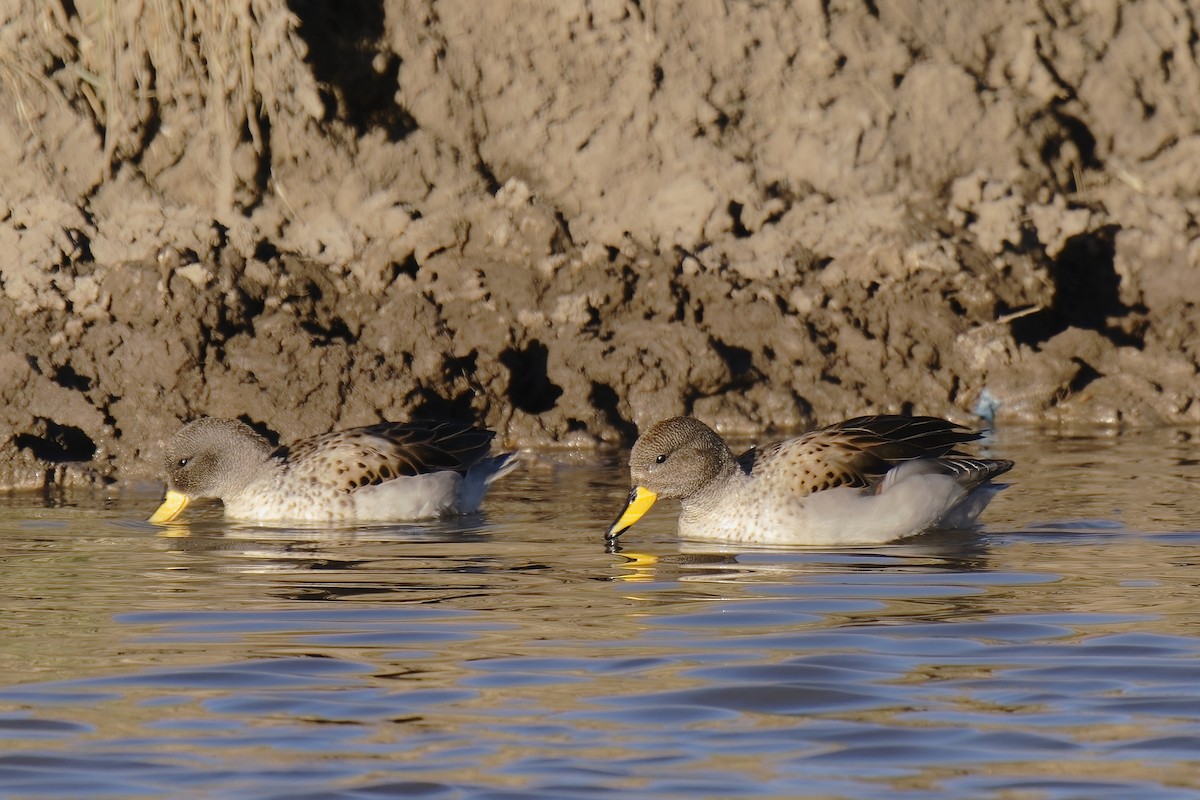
(1055, 653)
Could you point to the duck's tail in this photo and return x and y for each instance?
(481, 475)
(973, 477)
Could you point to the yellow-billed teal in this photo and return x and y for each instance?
(384, 472)
(866, 480)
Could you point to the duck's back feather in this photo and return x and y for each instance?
(859, 452)
(375, 454)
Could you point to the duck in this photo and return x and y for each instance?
(862, 481)
(384, 472)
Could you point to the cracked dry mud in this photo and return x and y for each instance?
(570, 219)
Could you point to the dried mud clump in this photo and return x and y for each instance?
(572, 220)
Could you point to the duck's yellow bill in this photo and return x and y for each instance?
(639, 502)
(172, 505)
(638, 568)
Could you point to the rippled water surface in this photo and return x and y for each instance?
(1054, 653)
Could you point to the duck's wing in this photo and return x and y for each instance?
(377, 453)
(973, 472)
(894, 438)
(860, 451)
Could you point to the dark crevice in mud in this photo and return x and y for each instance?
(348, 53)
(220, 247)
(491, 183)
(824, 344)
(629, 281)
(735, 215)
(605, 399)
(262, 158)
(593, 324)
(562, 241)
(151, 123)
(1085, 375)
(461, 366)
(1086, 293)
(58, 443)
(683, 301)
(335, 331)
(229, 323)
(409, 266)
(1165, 62)
(432, 407)
(268, 434)
(781, 191)
(681, 255)
(82, 248)
(739, 360)
(254, 307)
(265, 251)
(1077, 133)
(66, 377)
(530, 388)
(863, 326)
(657, 75)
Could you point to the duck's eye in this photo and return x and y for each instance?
(183, 462)
(660, 458)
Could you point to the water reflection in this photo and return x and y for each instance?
(959, 551)
(1051, 652)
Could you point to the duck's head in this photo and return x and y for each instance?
(676, 458)
(210, 457)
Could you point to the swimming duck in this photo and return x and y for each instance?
(384, 472)
(866, 480)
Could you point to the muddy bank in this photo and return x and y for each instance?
(568, 220)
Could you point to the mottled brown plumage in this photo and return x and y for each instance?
(378, 453)
(387, 471)
(866, 479)
(858, 452)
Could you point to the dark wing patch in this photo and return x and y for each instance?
(858, 452)
(377, 453)
(973, 472)
(894, 438)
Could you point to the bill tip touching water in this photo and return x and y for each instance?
(384, 472)
(866, 480)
